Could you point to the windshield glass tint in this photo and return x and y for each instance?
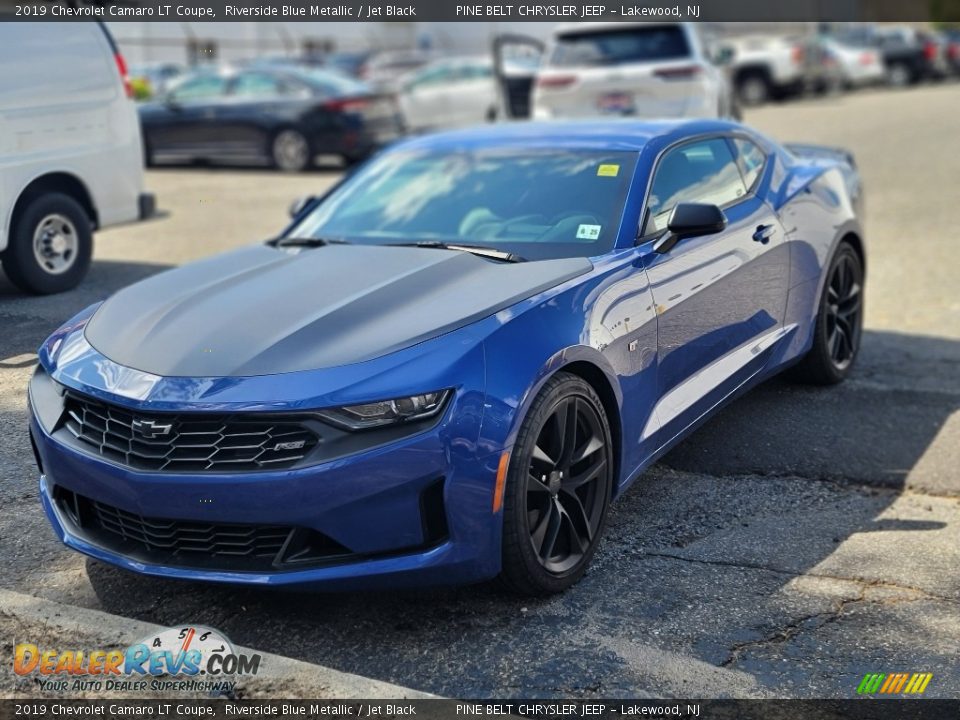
(620, 46)
(537, 204)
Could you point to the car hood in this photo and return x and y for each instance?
(261, 311)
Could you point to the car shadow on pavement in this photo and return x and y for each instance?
(738, 554)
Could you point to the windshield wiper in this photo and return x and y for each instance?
(308, 242)
(479, 250)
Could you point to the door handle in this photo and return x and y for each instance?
(763, 234)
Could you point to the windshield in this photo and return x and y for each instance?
(617, 46)
(538, 204)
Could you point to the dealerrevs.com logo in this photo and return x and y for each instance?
(190, 659)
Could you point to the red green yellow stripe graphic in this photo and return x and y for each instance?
(894, 683)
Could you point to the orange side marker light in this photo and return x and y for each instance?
(501, 481)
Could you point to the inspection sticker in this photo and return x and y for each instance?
(608, 171)
(588, 232)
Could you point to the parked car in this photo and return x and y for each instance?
(858, 64)
(449, 93)
(449, 366)
(633, 69)
(70, 151)
(283, 116)
(771, 67)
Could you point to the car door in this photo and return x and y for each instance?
(182, 124)
(472, 94)
(425, 100)
(719, 298)
(255, 102)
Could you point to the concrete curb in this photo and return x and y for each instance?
(58, 626)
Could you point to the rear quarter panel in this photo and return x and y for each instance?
(819, 205)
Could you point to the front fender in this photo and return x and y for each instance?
(605, 321)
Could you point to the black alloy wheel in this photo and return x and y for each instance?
(558, 488)
(844, 301)
(839, 326)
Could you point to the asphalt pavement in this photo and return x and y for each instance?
(800, 539)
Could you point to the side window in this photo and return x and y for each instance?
(751, 160)
(703, 171)
(200, 88)
(254, 85)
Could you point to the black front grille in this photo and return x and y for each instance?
(194, 442)
(194, 543)
(177, 537)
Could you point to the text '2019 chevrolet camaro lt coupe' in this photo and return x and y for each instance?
(446, 368)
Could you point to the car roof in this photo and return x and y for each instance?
(617, 134)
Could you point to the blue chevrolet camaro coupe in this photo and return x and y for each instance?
(447, 367)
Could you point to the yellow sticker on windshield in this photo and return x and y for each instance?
(608, 170)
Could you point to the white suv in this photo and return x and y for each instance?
(71, 158)
(651, 70)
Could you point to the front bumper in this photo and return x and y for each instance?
(371, 504)
(415, 509)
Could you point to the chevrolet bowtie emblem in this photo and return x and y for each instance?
(150, 429)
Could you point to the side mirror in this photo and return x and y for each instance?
(299, 205)
(690, 220)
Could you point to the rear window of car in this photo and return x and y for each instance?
(620, 45)
(332, 83)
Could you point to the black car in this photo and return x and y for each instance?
(910, 56)
(284, 116)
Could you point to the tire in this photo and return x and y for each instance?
(568, 512)
(839, 325)
(51, 244)
(899, 75)
(754, 89)
(290, 151)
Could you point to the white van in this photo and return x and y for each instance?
(71, 158)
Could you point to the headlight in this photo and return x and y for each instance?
(387, 412)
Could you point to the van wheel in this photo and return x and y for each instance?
(51, 244)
